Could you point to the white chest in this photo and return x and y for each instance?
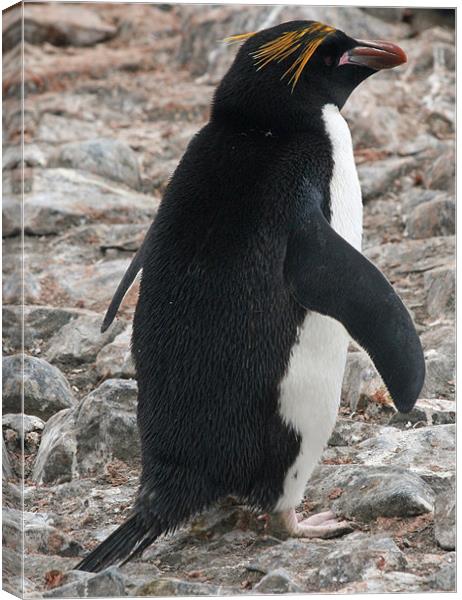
(310, 392)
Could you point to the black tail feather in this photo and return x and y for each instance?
(126, 542)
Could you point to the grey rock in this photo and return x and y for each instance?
(439, 337)
(106, 157)
(115, 359)
(359, 555)
(80, 340)
(58, 129)
(324, 565)
(440, 289)
(23, 432)
(444, 580)
(164, 586)
(412, 256)
(427, 412)
(381, 175)
(386, 583)
(13, 156)
(55, 462)
(16, 288)
(434, 218)
(40, 322)
(440, 375)
(277, 582)
(416, 196)
(439, 350)
(63, 198)
(360, 382)
(83, 440)
(441, 176)
(365, 493)
(348, 432)
(91, 286)
(22, 423)
(108, 583)
(445, 519)
(58, 24)
(123, 237)
(438, 411)
(425, 451)
(46, 390)
(415, 418)
(41, 533)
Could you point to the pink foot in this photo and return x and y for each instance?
(322, 525)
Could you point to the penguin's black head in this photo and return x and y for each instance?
(282, 75)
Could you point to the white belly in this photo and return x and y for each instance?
(310, 392)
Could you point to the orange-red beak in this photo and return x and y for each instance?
(374, 54)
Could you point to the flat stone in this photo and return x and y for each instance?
(13, 156)
(438, 411)
(327, 564)
(63, 198)
(22, 423)
(441, 176)
(434, 218)
(55, 462)
(412, 256)
(109, 158)
(108, 583)
(57, 24)
(440, 285)
(357, 556)
(348, 432)
(115, 359)
(387, 583)
(425, 451)
(58, 129)
(444, 580)
(89, 286)
(15, 289)
(40, 533)
(277, 582)
(381, 175)
(84, 440)
(440, 374)
(46, 390)
(366, 493)
(416, 196)
(427, 412)
(164, 586)
(445, 519)
(40, 322)
(80, 340)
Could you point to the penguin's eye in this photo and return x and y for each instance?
(329, 61)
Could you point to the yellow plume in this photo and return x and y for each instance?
(307, 40)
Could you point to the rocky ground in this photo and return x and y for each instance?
(114, 94)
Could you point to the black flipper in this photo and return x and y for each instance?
(126, 542)
(327, 275)
(134, 268)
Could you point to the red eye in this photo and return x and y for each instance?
(328, 60)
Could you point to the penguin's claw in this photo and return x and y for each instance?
(322, 525)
